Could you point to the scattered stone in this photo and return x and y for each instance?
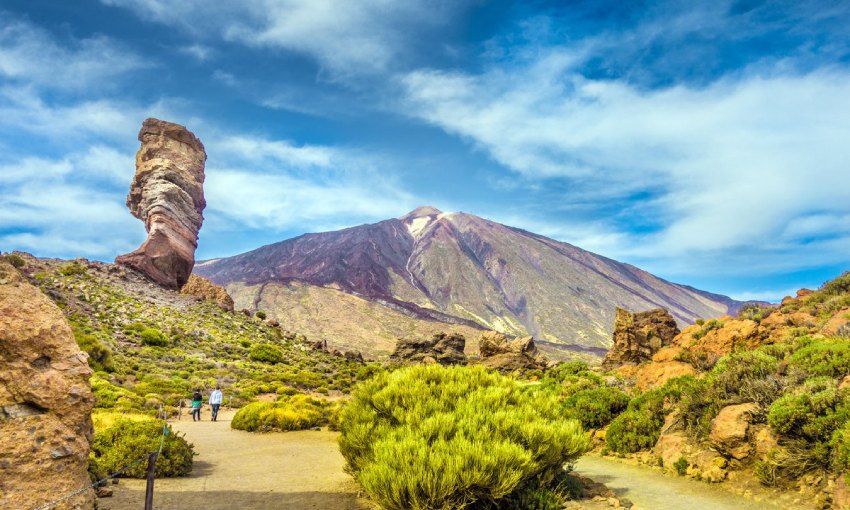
(442, 348)
(205, 290)
(167, 195)
(355, 356)
(45, 401)
(103, 492)
(505, 355)
(637, 336)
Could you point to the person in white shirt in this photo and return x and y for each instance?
(215, 402)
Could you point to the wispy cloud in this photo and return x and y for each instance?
(734, 163)
(351, 37)
(28, 54)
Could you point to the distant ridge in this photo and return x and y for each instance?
(450, 268)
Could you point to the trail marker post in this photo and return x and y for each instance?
(150, 478)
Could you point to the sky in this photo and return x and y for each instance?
(706, 142)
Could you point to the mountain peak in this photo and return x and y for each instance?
(422, 211)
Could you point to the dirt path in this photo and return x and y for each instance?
(234, 469)
(649, 489)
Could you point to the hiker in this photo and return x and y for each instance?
(215, 402)
(197, 401)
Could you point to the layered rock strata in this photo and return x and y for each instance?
(167, 194)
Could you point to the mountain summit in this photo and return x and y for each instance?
(363, 286)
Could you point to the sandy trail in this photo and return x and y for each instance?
(243, 470)
(649, 489)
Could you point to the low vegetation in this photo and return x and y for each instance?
(125, 439)
(295, 412)
(430, 437)
(151, 348)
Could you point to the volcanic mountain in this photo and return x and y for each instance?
(362, 287)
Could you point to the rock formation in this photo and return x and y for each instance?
(505, 355)
(45, 401)
(206, 290)
(442, 348)
(637, 336)
(167, 194)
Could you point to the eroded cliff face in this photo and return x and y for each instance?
(45, 401)
(167, 193)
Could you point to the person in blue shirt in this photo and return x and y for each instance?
(215, 402)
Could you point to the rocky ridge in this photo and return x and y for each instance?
(167, 195)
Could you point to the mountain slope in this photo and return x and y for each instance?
(461, 269)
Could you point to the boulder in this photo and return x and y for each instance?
(45, 401)
(167, 195)
(205, 290)
(500, 353)
(654, 375)
(637, 336)
(442, 348)
(729, 430)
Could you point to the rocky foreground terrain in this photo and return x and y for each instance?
(762, 397)
(456, 270)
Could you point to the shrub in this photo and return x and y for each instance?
(812, 413)
(596, 407)
(785, 463)
(296, 412)
(829, 357)
(429, 437)
(639, 426)
(755, 312)
(100, 356)
(72, 269)
(128, 440)
(706, 327)
(15, 260)
(153, 337)
(681, 466)
(267, 353)
(260, 314)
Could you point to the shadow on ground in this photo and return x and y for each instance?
(232, 500)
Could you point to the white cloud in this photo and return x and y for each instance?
(198, 51)
(29, 54)
(353, 36)
(735, 163)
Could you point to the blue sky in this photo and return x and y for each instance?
(707, 142)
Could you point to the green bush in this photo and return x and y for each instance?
(639, 426)
(828, 357)
(433, 437)
(16, 260)
(840, 448)
(127, 441)
(681, 466)
(706, 327)
(267, 353)
(100, 355)
(296, 412)
(72, 269)
(813, 412)
(596, 407)
(153, 337)
(260, 314)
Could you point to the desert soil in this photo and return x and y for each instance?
(235, 469)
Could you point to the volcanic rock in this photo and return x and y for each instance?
(729, 430)
(205, 290)
(167, 194)
(637, 336)
(442, 348)
(45, 401)
(505, 355)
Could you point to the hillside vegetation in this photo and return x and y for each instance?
(765, 393)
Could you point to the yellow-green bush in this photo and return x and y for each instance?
(295, 412)
(434, 437)
(267, 353)
(122, 440)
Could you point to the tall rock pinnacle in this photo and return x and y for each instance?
(167, 193)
